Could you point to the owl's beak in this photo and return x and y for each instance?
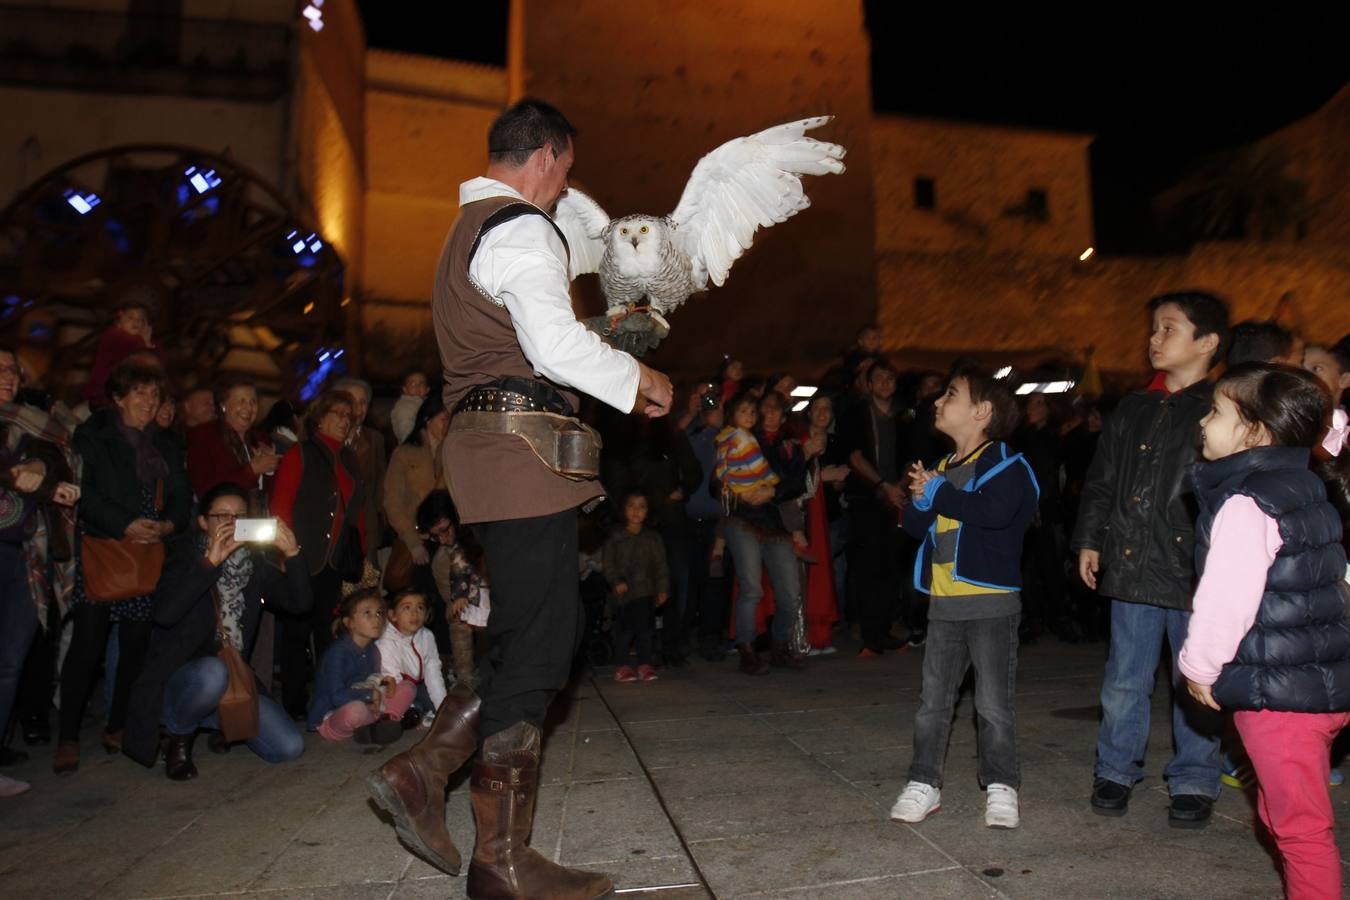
(633, 241)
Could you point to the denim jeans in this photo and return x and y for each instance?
(1137, 632)
(192, 694)
(18, 624)
(751, 553)
(952, 647)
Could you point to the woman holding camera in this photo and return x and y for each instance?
(212, 593)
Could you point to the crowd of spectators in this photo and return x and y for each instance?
(761, 521)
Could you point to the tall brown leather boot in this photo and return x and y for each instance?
(504, 867)
(782, 657)
(411, 786)
(751, 663)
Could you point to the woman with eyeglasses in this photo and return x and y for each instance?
(134, 488)
(319, 494)
(212, 593)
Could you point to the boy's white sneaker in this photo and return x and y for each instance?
(1000, 807)
(916, 802)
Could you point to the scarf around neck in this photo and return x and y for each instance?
(150, 463)
(235, 573)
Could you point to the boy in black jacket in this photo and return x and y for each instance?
(1135, 540)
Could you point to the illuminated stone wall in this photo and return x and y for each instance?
(49, 128)
(329, 106)
(980, 179)
(426, 131)
(941, 305)
(1319, 149)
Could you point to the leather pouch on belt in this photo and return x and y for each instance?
(565, 445)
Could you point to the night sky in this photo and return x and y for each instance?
(1160, 89)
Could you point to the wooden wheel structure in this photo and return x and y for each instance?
(237, 281)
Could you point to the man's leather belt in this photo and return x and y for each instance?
(561, 442)
(514, 395)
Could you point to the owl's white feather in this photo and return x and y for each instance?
(746, 184)
(583, 223)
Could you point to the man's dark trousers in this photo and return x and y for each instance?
(536, 623)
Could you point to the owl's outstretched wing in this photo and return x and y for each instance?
(583, 223)
(746, 184)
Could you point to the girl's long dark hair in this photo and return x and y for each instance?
(1292, 404)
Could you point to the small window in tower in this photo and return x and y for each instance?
(1038, 204)
(925, 193)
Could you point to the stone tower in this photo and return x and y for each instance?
(652, 87)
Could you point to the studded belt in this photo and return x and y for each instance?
(535, 414)
(495, 400)
(507, 395)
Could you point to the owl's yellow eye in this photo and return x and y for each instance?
(623, 231)
(644, 229)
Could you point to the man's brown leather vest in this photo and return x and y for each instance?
(491, 477)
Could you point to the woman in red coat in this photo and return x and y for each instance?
(230, 449)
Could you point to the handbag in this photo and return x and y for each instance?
(237, 712)
(119, 569)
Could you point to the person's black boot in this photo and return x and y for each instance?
(178, 757)
(1190, 811)
(1110, 798)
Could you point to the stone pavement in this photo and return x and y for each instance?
(705, 783)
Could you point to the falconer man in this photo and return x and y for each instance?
(518, 464)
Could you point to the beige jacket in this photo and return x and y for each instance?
(413, 474)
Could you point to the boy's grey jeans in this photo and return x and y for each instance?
(951, 648)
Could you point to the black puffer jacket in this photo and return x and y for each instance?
(1296, 657)
(1136, 508)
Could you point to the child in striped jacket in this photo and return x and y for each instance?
(741, 468)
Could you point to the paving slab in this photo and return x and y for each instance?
(706, 783)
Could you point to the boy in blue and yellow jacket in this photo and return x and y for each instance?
(971, 513)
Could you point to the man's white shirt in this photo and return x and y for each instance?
(523, 265)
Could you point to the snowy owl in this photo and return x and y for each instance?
(651, 264)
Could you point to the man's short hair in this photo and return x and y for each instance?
(1206, 312)
(525, 127)
(881, 364)
(1259, 342)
